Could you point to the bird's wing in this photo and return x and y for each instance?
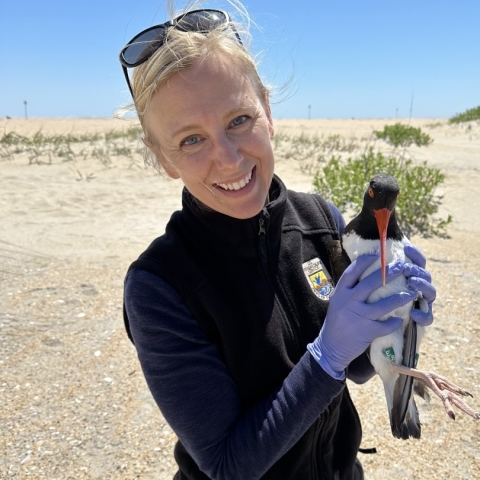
(403, 425)
(339, 259)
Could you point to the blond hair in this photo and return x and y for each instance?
(179, 52)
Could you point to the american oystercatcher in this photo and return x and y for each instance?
(394, 356)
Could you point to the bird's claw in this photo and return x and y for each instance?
(447, 391)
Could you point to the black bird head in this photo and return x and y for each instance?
(379, 201)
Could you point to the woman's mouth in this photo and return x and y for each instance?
(236, 185)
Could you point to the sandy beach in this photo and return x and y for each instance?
(75, 214)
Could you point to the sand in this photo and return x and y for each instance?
(74, 401)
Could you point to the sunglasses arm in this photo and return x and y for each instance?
(127, 78)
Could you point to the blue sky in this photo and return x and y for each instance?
(349, 58)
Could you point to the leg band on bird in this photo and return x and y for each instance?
(390, 354)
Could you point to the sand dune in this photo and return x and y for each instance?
(74, 402)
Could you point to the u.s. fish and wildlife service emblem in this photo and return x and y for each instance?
(318, 278)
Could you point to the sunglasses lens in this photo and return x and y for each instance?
(201, 21)
(148, 42)
(144, 46)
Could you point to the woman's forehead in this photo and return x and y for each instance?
(213, 67)
(210, 84)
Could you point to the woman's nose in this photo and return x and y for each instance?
(226, 152)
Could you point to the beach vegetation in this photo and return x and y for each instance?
(435, 124)
(83, 176)
(401, 135)
(467, 116)
(343, 182)
(42, 149)
(130, 135)
(305, 145)
(312, 150)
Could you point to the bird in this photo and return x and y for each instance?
(394, 357)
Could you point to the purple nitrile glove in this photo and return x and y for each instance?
(420, 280)
(351, 324)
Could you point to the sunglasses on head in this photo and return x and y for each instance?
(143, 45)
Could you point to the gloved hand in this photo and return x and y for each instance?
(351, 324)
(420, 280)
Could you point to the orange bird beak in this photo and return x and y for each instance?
(383, 216)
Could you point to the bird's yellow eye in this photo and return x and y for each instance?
(371, 192)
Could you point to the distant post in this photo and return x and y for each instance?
(26, 115)
(309, 107)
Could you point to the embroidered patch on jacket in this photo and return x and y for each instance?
(318, 278)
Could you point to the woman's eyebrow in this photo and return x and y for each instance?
(227, 115)
(186, 128)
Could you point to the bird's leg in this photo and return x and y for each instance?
(448, 392)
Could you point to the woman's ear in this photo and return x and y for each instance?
(169, 168)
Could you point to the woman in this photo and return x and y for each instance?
(245, 358)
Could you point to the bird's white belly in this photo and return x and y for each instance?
(354, 246)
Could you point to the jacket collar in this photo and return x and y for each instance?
(231, 236)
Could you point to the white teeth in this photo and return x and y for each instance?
(237, 185)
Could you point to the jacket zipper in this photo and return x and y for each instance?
(262, 234)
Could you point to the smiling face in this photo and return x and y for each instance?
(210, 128)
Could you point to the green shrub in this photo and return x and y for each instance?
(466, 116)
(400, 135)
(344, 184)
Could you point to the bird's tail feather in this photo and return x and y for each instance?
(404, 419)
(410, 427)
(421, 390)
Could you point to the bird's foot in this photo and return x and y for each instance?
(447, 391)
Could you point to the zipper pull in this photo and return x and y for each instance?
(261, 222)
(262, 241)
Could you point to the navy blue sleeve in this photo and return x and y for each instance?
(198, 398)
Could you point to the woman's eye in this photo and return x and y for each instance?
(193, 140)
(238, 120)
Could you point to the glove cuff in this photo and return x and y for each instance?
(322, 360)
